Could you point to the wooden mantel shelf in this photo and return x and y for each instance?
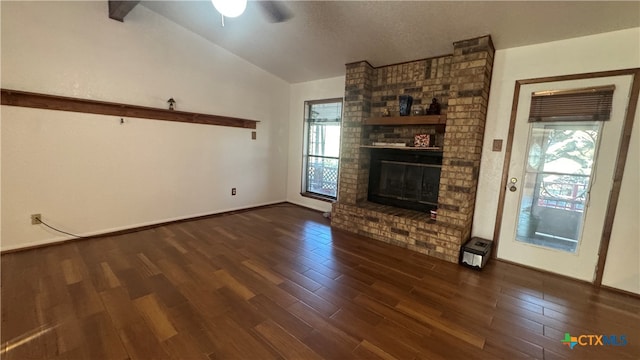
(408, 120)
(53, 102)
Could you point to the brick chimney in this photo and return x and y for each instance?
(461, 83)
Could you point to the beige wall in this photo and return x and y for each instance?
(87, 173)
(301, 92)
(608, 51)
(622, 269)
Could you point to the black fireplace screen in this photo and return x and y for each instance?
(409, 181)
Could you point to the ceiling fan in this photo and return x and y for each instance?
(274, 11)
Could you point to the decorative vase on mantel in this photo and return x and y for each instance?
(405, 104)
(434, 107)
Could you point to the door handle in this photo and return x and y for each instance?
(512, 184)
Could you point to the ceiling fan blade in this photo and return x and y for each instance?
(275, 11)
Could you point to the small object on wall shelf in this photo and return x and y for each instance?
(63, 103)
(408, 120)
(417, 111)
(386, 112)
(172, 104)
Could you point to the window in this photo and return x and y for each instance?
(322, 120)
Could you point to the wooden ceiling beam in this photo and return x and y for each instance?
(119, 9)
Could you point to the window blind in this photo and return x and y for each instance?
(323, 112)
(588, 104)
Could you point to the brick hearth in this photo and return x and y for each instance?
(461, 83)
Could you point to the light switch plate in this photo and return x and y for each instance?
(497, 145)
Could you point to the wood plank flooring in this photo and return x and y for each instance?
(279, 283)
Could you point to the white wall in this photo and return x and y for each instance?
(0, 141)
(608, 51)
(89, 174)
(301, 92)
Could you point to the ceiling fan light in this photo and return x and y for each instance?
(230, 8)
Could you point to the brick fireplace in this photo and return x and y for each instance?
(461, 84)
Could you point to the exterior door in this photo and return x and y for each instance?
(560, 176)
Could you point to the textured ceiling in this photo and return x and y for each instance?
(323, 36)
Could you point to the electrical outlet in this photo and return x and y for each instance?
(233, 191)
(36, 219)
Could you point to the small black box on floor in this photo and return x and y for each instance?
(475, 253)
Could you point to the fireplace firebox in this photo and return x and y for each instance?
(408, 179)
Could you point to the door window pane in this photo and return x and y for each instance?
(556, 184)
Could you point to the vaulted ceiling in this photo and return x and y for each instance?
(323, 36)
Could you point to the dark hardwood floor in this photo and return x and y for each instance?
(278, 282)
